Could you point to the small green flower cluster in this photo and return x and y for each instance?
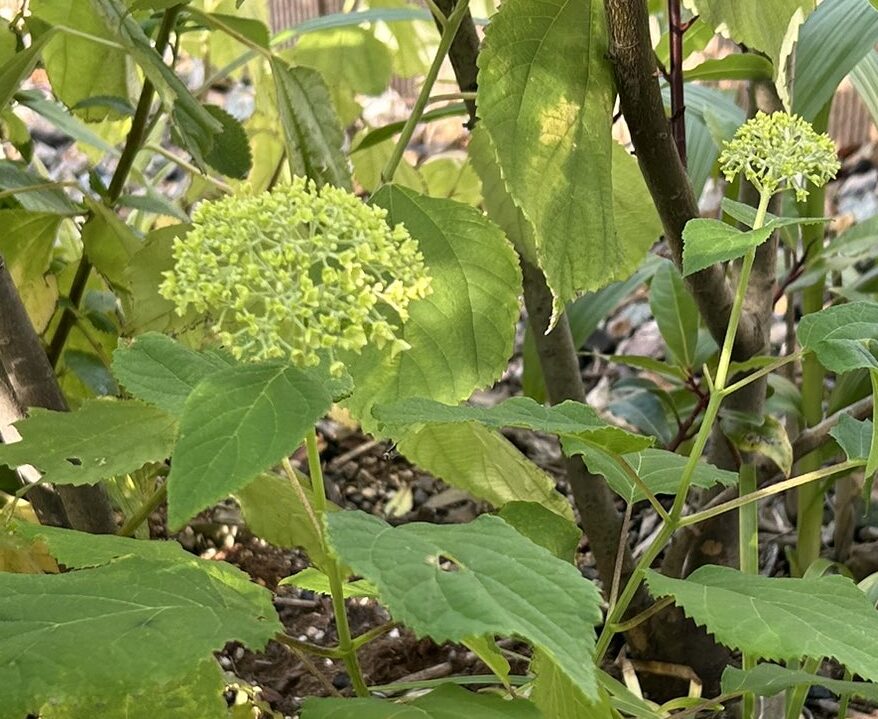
(298, 273)
(778, 151)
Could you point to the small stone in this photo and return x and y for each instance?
(341, 681)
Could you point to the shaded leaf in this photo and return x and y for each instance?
(675, 312)
(102, 439)
(17, 68)
(446, 702)
(558, 697)
(227, 151)
(566, 418)
(14, 176)
(161, 371)
(109, 244)
(659, 469)
(842, 336)
(237, 423)
(316, 581)
(766, 680)
(741, 66)
(769, 439)
(451, 582)
(312, 132)
(544, 527)
(482, 462)
(853, 436)
(779, 618)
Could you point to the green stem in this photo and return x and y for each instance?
(142, 514)
(762, 371)
(809, 515)
(189, 167)
(796, 697)
(133, 142)
(748, 550)
(717, 393)
(448, 32)
(336, 582)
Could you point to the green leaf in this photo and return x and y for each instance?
(144, 308)
(109, 244)
(753, 23)
(316, 581)
(482, 462)
(706, 242)
(779, 618)
(659, 469)
(245, 29)
(351, 56)
(237, 423)
(769, 439)
(49, 618)
(14, 71)
(198, 694)
(545, 99)
(227, 151)
(486, 649)
(447, 702)
(14, 176)
(544, 527)
(741, 66)
(864, 78)
(566, 418)
(312, 131)
(462, 334)
(101, 439)
(675, 312)
(835, 37)
(127, 30)
(27, 245)
(273, 512)
(451, 582)
(161, 371)
(79, 68)
(385, 132)
(872, 459)
(766, 680)
(64, 121)
(842, 336)
(853, 436)
(556, 696)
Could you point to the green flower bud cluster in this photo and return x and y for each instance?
(297, 273)
(778, 151)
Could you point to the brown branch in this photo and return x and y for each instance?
(640, 99)
(811, 438)
(678, 104)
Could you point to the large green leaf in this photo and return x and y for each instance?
(26, 245)
(769, 679)
(482, 462)
(109, 244)
(842, 336)
(197, 694)
(236, 424)
(558, 697)
(80, 68)
(566, 418)
(462, 334)
(161, 371)
(312, 131)
(659, 470)
(451, 582)
(447, 702)
(779, 618)
(101, 439)
(864, 78)
(545, 99)
(675, 313)
(836, 36)
(130, 602)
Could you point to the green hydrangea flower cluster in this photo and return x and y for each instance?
(778, 151)
(297, 273)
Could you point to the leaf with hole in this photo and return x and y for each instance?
(451, 582)
(102, 439)
(236, 424)
(779, 618)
